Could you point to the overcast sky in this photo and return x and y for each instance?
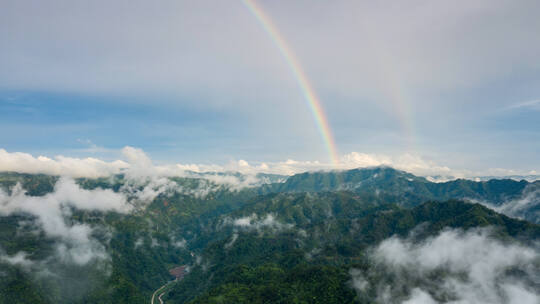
(453, 82)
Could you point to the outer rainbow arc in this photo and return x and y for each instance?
(398, 97)
(307, 90)
(393, 89)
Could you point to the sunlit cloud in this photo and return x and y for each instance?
(138, 166)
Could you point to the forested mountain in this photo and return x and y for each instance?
(375, 235)
(514, 198)
(399, 183)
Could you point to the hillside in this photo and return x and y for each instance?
(113, 240)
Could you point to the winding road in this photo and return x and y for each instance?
(163, 289)
(161, 292)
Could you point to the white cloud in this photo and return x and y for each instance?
(146, 189)
(255, 222)
(180, 244)
(19, 259)
(91, 147)
(358, 281)
(137, 158)
(139, 168)
(418, 296)
(177, 242)
(138, 243)
(230, 243)
(245, 221)
(60, 165)
(52, 210)
(531, 104)
(522, 207)
(519, 295)
(475, 269)
(68, 193)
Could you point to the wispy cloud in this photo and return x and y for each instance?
(255, 222)
(531, 104)
(91, 147)
(524, 207)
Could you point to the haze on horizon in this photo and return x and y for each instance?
(433, 83)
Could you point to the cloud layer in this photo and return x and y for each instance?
(60, 165)
(137, 163)
(212, 83)
(366, 46)
(525, 207)
(257, 223)
(52, 211)
(454, 267)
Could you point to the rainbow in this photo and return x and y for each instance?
(307, 90)
(396, 93)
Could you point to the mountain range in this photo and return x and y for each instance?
(316, 237)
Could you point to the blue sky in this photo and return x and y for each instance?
(203, 83)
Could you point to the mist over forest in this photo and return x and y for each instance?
(364, 235)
